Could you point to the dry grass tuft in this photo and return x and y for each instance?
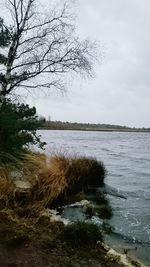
(87, 170)
(6, 187)
(47, 175)
(59, 176)
(54, 180)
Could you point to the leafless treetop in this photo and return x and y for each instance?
(42, 48)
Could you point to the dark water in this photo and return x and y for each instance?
(127, 159)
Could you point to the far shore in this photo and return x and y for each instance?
(96, 127)
(98, 130)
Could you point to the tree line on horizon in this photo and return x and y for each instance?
(60, 125)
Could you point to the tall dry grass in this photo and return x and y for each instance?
(47, 175)
(54, 180)
(6, 187)
(59, 176)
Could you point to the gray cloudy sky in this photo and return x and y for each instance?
(120, 91)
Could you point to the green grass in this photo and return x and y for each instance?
(104, 212)
(100, 199)
(82, 233)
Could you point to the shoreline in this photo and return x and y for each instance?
(130, 250)
(97, 130)
(127, 261)
(30, 232)
(28, 243)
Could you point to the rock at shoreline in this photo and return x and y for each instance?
(22, 191)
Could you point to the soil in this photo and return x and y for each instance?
(39, 243)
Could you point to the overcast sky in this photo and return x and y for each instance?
(120, 90)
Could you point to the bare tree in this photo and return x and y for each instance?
(42, 48)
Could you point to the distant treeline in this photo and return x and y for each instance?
(59, 125)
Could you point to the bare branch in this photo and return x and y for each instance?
(43, 48)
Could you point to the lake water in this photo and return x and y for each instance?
(127, 160)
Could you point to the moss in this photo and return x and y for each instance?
(19, 238)
(67, 264)
(10, 234)
(2, 204)
(81, 233)
(43, 221)
(32, 210)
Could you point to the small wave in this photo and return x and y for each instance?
(138, 194)
(107, 189)
(106, 149)
(112, 191)
(116, 155)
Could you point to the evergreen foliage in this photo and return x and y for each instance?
(4, 35)
(18, 125)
(18, 122)
(4, 41)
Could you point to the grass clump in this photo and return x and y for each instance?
(89, 171)
(6, 188)
(58, 178)
(11, 233)
(82, 233)
(55, 181)
(104, 212)
(101, 206)
(100, 199)
(47, 177)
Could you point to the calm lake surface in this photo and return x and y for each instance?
(127, 160)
